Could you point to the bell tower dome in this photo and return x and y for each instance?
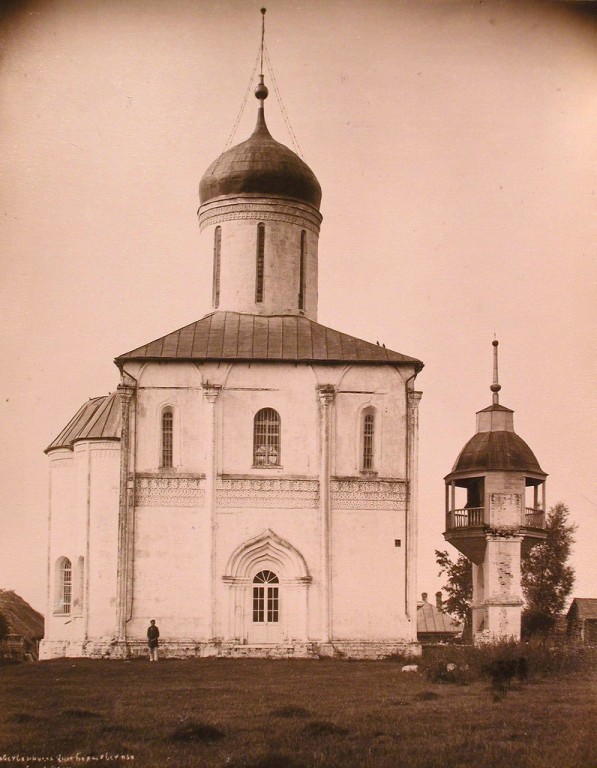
(259, 204)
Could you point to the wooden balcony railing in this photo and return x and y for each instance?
(465, 518)
(534, 518)
(474, 517)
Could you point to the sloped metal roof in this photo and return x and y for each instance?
(98, 419)
(498, 450)
(496, 407)
(431, 619)
(236, 336)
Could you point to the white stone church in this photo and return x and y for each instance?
(252, 484)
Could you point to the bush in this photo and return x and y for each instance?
(448, 664)
(505, 661)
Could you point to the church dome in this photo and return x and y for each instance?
(260, 166)
(500, 450)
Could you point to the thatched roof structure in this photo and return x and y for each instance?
(21, 618)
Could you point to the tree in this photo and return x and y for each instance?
(460, 584)
(3, 627)
(547, 579)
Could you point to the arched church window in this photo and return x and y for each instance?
(368, 440)
(266, 598)
(260, 263)
(216, 275)
(266, 438)
(64, 586)
(167, 437)
(302, 270)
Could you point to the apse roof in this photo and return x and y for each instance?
(97, 419)
(498, 450)
(237, 336)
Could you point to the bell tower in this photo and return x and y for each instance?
(495, 512)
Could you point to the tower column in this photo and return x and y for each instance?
(126, 391)
(326, 394)
(499, 594)
(210, 392)
(414, 399)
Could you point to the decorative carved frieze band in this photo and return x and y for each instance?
(67, 461)
(266, 492)
(368, 494)
(169, 492)
(277, 493)
(291, 214)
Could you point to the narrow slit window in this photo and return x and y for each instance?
(368, 440)
(167, 438)
(217, 257)
(302, 270)
(266, 438)
(260, 263)
(66, 586)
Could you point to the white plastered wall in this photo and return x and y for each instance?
(84, 494)
(367, 566)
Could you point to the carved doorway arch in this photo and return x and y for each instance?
(285, 618)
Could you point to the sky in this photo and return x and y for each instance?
(455, 145)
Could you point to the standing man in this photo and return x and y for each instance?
(152, 640)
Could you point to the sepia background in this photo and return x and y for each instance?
(455, 143)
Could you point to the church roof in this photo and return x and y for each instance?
(260, 166)
(97, 419)
(236, 336)
(499, 450)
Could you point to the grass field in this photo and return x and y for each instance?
(289, 714)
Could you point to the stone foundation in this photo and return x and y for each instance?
(134, 649)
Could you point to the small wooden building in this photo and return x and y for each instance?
(24, 627)
(582, 620)
(433, 625)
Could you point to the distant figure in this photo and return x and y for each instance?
(523, 669)
(152, 640)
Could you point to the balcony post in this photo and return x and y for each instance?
(447, 505)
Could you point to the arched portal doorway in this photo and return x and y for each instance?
(268, 585)
(265, 624)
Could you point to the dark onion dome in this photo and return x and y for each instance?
(260, 166)
(499, 450)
